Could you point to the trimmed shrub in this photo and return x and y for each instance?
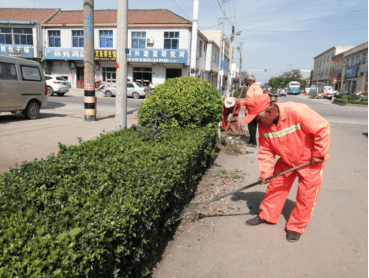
(350, 101)
(353, 97)
(187, 101)
(340, 95)
(313, 95)
(344, 97)
(99, 209)
(364, 99)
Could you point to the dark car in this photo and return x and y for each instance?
(336, 93)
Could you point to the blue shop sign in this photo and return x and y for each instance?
(24, 51)
(144, 55)
(351, 72)
(57, 53)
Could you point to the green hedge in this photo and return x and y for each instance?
(187, 101)
(237, 92)
(338, 100)
(313, 95)
(99, 209)
(364, 99)
(353, 97)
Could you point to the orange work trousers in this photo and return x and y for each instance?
(307, 193)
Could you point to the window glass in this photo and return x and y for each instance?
(130, 85)
(30, 73)
(106, 38)
(54, 38)
(48, 78)
(200, 48)
(6, 36)
(171, 40)
(77, 38)
(138, 39)
(364, 58)
(138, 84)
(8, 71)
(60, 78)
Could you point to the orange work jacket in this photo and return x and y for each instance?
(300, 135)
(254, 89)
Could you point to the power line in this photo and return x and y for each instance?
(209, 27)
(216, 15)
(304, 20)
(181, 10)
(312, 31)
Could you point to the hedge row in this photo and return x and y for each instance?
(99, 209)
(343, 100)
(237, 92)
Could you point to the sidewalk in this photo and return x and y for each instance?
(25, 140)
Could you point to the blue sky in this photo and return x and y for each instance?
(277, 35)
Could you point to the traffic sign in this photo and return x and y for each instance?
(223, 64)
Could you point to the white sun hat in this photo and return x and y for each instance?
(229, 102)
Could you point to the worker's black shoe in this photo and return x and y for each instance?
(292, 236)
(251, 145)
(255, 221)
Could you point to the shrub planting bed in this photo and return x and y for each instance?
(102, 208)
(345, 100)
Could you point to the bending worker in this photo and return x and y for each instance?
(298, 135)
(232, 106)
(253, 89)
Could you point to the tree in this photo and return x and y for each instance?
(295, 73)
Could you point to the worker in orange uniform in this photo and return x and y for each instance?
(253, 90)
(298, 135)
(232, 106)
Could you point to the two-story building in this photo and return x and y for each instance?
(21, 33)
(356, 68)
(159, 43)
(323, 63)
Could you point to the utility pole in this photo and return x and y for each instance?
(230, 85)
(122, 37)
(239, 48)
(221, 53)
(89, 61)
(195, 20)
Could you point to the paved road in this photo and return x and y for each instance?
(335, 243)
(74, 104)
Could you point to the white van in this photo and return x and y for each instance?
(22, 86)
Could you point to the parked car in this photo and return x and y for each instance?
(22, 86)
(336, 93)
(134, 89)
(56, 84)
(282, 93)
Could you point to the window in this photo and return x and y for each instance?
(365, 57)
(30, 73)
(77, 38)
(106, 38)
(54, 38)
(8, 71)
(138, 39)
(130, 85)
(200, 48)
(6, 36)
(357, 59)
(23, 36)
(205, 47)
(171, 40)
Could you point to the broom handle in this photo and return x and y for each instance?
(251, 185)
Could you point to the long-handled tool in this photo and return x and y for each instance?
(195, 207)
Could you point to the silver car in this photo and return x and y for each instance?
(134, 89)
(56, 84)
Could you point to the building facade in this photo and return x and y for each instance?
(323, 63)
(21, 32)
(159, 44)
(356, 69)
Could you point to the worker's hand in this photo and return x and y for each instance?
(317, 160)
(262, 180)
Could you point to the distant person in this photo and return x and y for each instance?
(298, 135)
(232, 106)
(253, 90)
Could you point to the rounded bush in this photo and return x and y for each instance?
(186, 101)
(313, 95)
(364, 99)
(340, 95)
(353, 97)
(344, 97)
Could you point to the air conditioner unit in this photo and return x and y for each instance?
(72, 65)
(150, 40)
(197, 56)
(212, 58)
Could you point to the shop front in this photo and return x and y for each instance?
(351, 79)
(335, 79)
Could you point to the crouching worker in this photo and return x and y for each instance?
(232, 106)
(298, 135)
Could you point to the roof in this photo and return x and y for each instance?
(136, 18)
(38, 15)
(338, 49)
